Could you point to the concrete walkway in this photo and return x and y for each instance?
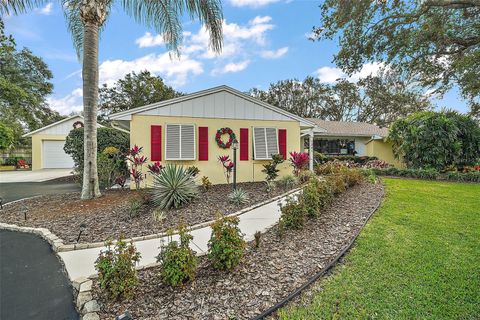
(33, 176)
(80, 263)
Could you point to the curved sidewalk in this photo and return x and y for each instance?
(80, 263)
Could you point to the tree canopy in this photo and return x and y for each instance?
(436, 140)
(379, 99)
(134, 90)
(435, 42)
(24, 85)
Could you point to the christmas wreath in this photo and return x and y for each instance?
(77, 124)
(218, 137)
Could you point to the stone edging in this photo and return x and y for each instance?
(84, 302)
(59, 246)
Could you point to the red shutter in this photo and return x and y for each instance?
(156, 143)
(203, 143)
(282, 142)
(243, 144)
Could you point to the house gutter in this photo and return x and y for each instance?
(118, 128)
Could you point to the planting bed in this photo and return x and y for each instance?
(266, 274)
(108, 216)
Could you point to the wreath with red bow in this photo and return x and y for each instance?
(77, 124)
(220, 133)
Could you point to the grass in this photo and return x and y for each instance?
(418, 258)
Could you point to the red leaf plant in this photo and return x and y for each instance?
(227, 166)
(155, 167)
(137, 161)
(299, 161)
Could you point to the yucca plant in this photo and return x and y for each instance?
(238, 196)
(173, 188)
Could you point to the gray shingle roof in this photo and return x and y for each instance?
(343, 128)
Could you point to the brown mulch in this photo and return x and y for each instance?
(265, 276)
(108, 216)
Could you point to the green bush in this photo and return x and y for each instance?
(352, 176)
(226, 246)
(7, 137)
(178, 261)
(430, 174)
(110, 165)
(312, 198)
(287, 182)
(305, 175)
(293, 213)
(337, 183)
(116, 269)
(106, 137)
(436, 140)
(173, 187)
(135, 206)
(270, 169)
(238, 196)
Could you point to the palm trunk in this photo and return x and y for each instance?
(90, 187)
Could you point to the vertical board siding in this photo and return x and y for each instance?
(282, 142)
(203, 143)
(156, 143)
(243, 144)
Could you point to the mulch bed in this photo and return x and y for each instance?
(108, 216)
(265, 276)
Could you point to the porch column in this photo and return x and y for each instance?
(310, 148)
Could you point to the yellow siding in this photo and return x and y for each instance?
(37, 150)
(383, 151)
(246, 170)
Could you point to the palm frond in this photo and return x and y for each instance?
(8, 7)
(71, 11)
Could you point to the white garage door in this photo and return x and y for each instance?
(54, 156)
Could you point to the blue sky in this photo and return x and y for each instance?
(264, 41)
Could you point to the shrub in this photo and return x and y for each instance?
(352, 177)
(7, 137)
(226, 245)
(270, 169)
(173, 187)
(110, 164)
(135, 206)
(325, 193)
(337, 183)
(299, 161)
(311, 198)
(116, 269)
(238, 196)
(305, 176)
(287, 182)
(137, 160)
(328, 168)
(436, 139)
(227, 166)
(106, 137)
(431, 174)
(270, 186)
(292, 213)
(206, 184)
(193, 171)
(178, 261)
(370, 176)
(257, 236)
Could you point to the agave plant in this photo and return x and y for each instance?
(173, 188)
(238, 196)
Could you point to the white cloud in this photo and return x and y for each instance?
(147, 40)
(232, 67)
(274, 54)
(251, 3)
(70, 103)
(46, 10)
(332, 74)
(174, 70)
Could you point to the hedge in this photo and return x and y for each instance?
(430, 174)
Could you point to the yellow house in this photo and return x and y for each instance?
(195, 129)
(48, 142)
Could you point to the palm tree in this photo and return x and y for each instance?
(86, 18)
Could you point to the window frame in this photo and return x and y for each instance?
(269, 157)
(180, 142)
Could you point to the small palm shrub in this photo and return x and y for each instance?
(292, 214)
(116, 269)
(226, 245)
(312, 198)
(178, 261)
(238, 196)
(173, 188)
(287, 182)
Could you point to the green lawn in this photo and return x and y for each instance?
(418, 258)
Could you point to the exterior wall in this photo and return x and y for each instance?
(37, 147)
(246, 170)
(61, 128)
(383, 151)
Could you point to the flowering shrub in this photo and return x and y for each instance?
(137, 161)
(227, 166)
(21, 163)
(299, 161)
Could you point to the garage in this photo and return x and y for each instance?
(54, 156)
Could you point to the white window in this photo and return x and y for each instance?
(265, 142)
(180, 142)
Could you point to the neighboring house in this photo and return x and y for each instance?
(352, 138)
(183, 130)
(48, 142)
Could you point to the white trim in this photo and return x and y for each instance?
(180, 142)
(29, 134)
(126, 115)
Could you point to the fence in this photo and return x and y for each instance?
(21, 153)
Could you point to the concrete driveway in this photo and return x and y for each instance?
(33, 176)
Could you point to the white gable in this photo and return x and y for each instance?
(62, 127)
(218, 105)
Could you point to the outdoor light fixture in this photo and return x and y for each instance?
(235, 147)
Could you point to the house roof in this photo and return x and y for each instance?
(29, 134)
(122, 114)
(344, 128)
